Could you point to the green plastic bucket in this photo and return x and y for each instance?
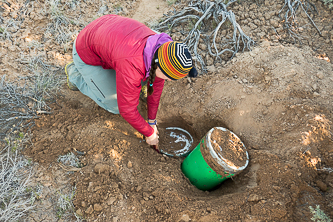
(200, 174)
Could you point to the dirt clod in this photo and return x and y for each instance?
(98, 207)
(322, 186)
(101, 168)
(89, 210)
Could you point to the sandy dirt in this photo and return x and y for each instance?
(276, 98)
(227, 146)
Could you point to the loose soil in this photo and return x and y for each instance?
(276, 98)
(229, 147)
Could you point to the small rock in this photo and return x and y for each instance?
(98, 207)
(101, 168)
(265, 43)
(274, 23)
(210, 61)
(97, 188)
(90, 186)
(203, 46)
(111, 200)
(189, 80)
(114, 185)
(185, 218)
(138, 188)
(79, 212)
(211, 68)
(83, 204)
(320, 75)
(129, 164)
(89, 210)
(114, 219)
(145, 196)
(254, 198)
(322, 186)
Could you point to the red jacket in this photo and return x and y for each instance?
(116, 42)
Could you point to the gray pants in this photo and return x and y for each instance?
(95, 82)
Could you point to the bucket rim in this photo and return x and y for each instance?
(219, 158)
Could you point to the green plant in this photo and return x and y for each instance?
(14, 195)
(4, 33)
(21, 135)
(214, 24)
(16, 142)
(171, 2)
(329, 3)
(14, 148)
(118, 7)
(35, 192)
(65, 205)
(228, 24)
(319, 215)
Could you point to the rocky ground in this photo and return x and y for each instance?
(276, 98)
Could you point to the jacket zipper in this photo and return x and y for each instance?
(97, 88)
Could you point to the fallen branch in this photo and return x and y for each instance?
(290, 22)
(208, 18)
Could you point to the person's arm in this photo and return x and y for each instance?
(153, 100)
(128, 93)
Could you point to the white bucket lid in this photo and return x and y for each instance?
(219, 158)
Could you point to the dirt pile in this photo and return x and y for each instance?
(281, 120)
(276, 98)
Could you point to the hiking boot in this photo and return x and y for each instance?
(68, 68)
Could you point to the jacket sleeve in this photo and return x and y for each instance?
(154, 99)
(128, 93)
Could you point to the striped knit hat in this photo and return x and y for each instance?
(174, 60)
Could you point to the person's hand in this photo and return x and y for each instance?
(153, 139)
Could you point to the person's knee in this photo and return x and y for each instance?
(110, 105)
